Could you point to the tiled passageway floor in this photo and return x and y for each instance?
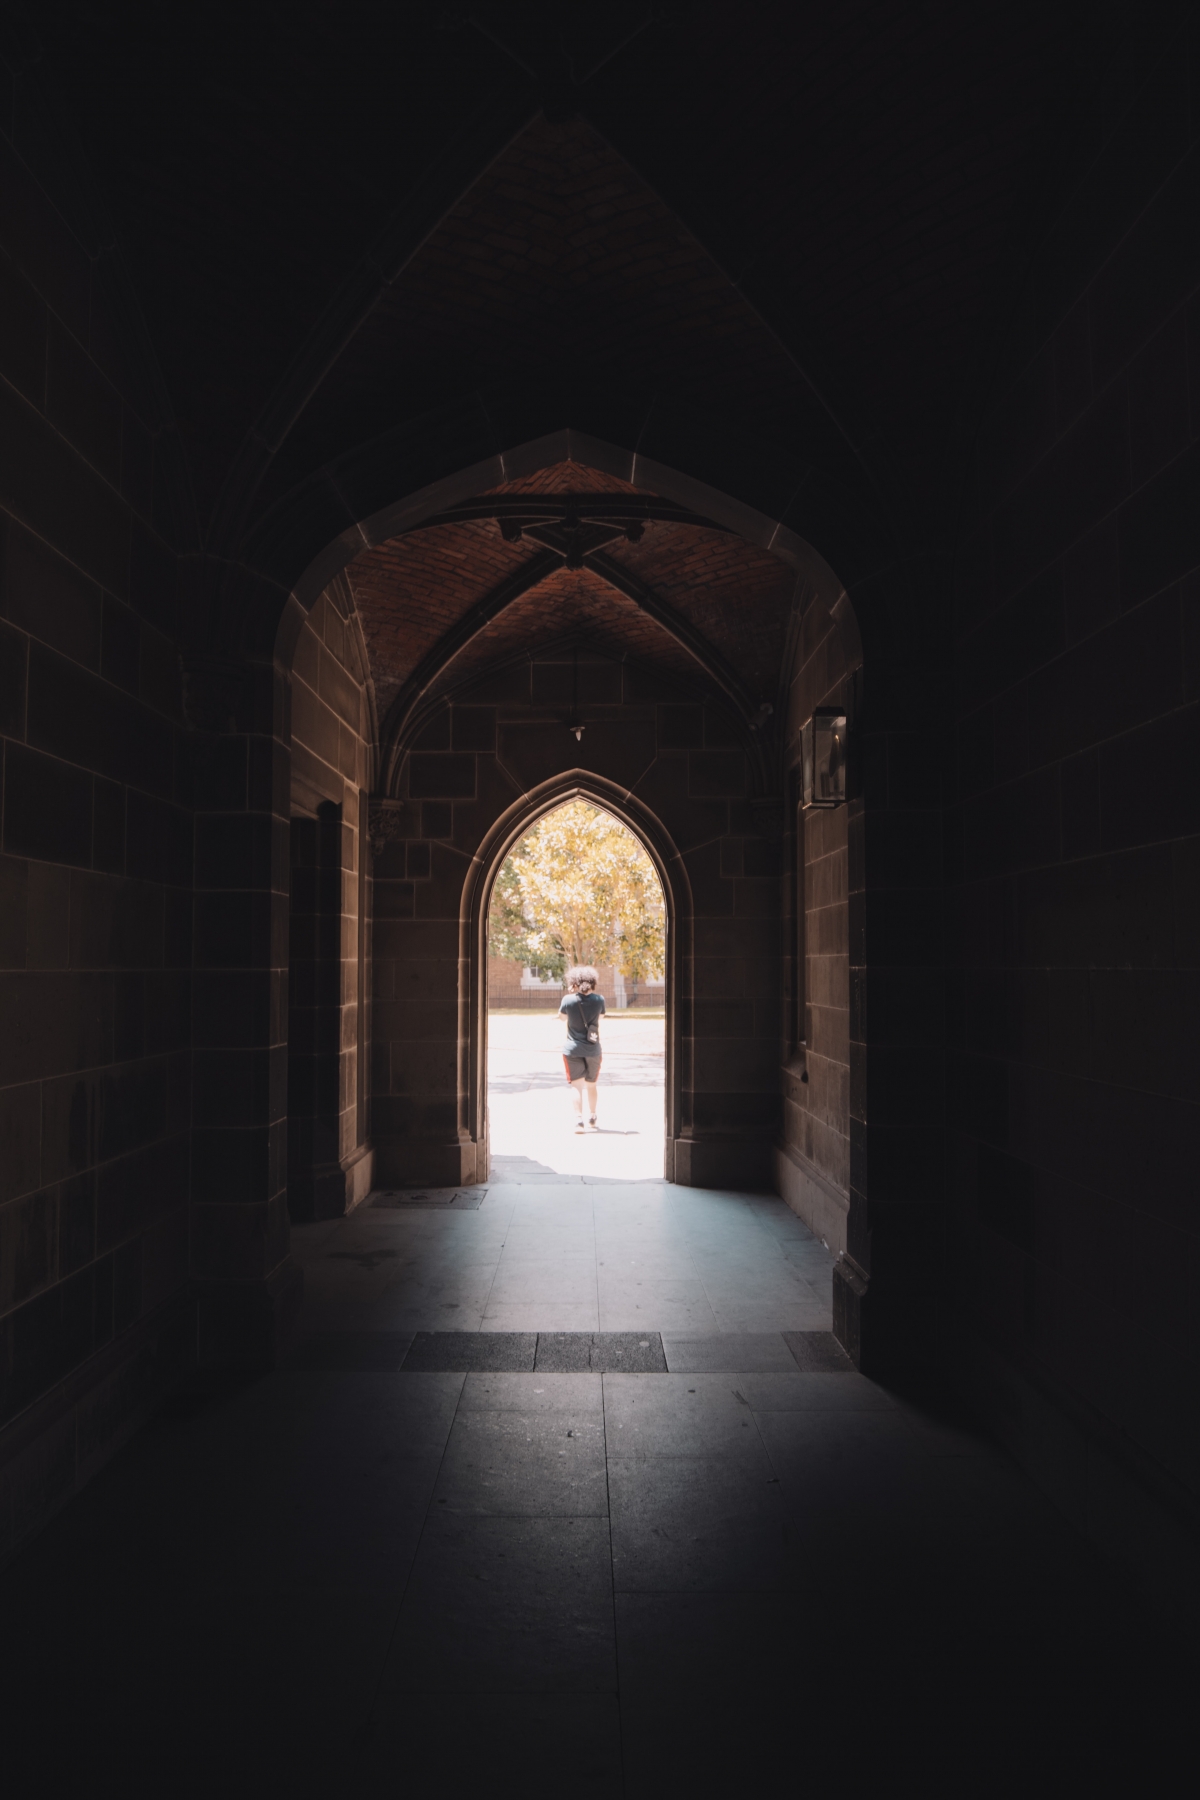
(543, 1257)
(732, 1578)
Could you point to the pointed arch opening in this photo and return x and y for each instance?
(517, 1041)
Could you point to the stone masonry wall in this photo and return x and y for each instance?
(1076, 841)
(96, 867)
(682, 761)
(813, 1162)
(329, 1165)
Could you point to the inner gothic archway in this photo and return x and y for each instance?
(705, 636)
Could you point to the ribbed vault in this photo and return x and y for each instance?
(565, 553)
(558, 261)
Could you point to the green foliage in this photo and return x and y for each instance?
(579, 888)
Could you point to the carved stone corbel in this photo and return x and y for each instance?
(384, 821)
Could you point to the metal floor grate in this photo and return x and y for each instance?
(572, 1353)
(468, 1199)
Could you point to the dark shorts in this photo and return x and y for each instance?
(582, 1068)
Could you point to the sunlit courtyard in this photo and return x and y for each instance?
(578, 895)
(531, 1125)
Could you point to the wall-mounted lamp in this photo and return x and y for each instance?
(578, 730)
(823, 753)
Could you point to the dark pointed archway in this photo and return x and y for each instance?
(475, 746)
(639, 306)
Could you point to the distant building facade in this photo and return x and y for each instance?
(510, 985)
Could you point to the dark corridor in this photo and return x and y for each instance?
(781, 425)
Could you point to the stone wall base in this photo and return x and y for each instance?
(358, 1178)
(417, 1162)
(739, 1163)
(331, 1190)
(249, 1324)
(888, 1327)
(850, 1289)
(812, 1198)
(55, 1446)
(1129, 1508)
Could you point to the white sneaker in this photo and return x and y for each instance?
(591, 1125)
(580, 1128)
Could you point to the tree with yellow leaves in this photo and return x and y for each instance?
(579, 888)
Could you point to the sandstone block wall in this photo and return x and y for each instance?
(97, 865)
(1075, 837)
(332, 762)
(813, 1162)
(498, 748)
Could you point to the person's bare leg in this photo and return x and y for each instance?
(577, 1102)
(591, 1100)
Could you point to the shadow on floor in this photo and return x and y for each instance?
(746, 1569)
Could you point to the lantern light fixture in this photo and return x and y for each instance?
(823, 758)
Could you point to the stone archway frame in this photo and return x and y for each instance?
(507, 830)
(816, 584)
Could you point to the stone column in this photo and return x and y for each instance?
(247, 1286)
(316, 1183)
(887, 1285)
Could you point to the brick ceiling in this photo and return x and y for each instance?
(574, 604)
(411, 591)
(738, 597)
(567, 478)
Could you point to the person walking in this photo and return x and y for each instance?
(582, 1008)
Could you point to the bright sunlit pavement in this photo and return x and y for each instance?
(531, 1124)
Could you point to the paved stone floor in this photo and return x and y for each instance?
(730, 1578)
(547, 1257)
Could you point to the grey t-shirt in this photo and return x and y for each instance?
(582, 1013)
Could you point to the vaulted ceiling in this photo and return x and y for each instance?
(572, 553)
(559, 259)
(806, 222)
(797, 232)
